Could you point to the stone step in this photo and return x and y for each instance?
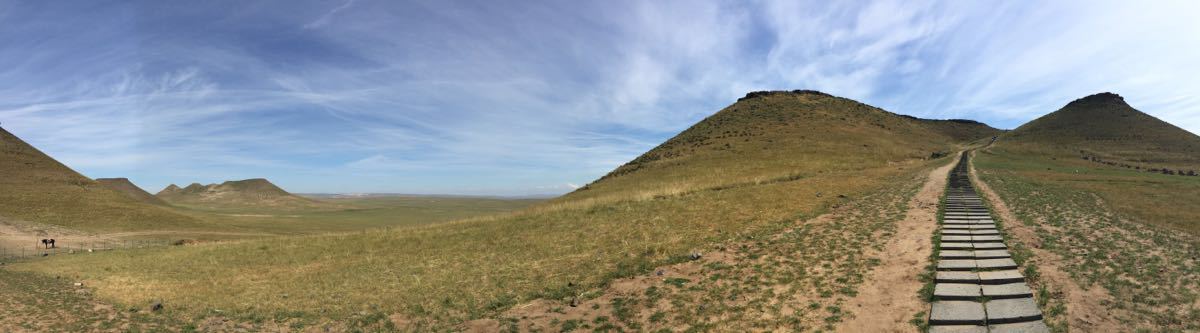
(956, 265)
(1003, 311)
(1026, 327)
(985, 239)
(995, 264)
(957, 291)
(1000, 276)
(970, 226)
(958, 329)
(1007, 290)
(967, 218)
(956, 254)
(956, 277)
(973, 254)
(957, 313)
(988, 246)
(953, 238)
(991, 254)
(969, 221)
(956, 246)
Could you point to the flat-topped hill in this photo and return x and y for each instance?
(248, 193)
(39, 189)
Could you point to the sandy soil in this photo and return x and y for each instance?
(888, 298)
(1086, 311)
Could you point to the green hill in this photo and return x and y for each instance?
(134, 192)
(38, 189)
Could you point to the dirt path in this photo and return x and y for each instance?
(888, 298)
(1086, 311)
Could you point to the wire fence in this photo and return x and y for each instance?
(9, 253)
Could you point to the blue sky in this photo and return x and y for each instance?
(533, 97)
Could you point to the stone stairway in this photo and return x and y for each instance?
(978, 287)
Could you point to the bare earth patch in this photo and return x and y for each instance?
(888, 297)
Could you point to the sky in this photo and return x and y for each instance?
(517, 98)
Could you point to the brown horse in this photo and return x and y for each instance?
(45, 243)
(52, 243)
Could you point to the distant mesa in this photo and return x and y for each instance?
(248, 192)
(130, 190)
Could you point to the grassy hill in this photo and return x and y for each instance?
(38, 189)
(256, 194)
(1105, 223)
(1105, 127)
(134, 192)
(762, 165)
(779, 136)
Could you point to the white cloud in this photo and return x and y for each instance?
(410, 95)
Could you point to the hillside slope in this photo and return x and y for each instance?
(1102, 226)
(771, 162)
(39, 189)
(134, 192)
(779, 135)
(1104, 126)
(248, 193)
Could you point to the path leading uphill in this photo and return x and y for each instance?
(978, 285)
(887, 300)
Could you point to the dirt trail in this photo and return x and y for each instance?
(1086, 311)
(888, 298)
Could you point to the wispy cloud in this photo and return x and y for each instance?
(324, 19)
(521, 98)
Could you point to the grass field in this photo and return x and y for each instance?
(1134, 235)
(750, 170)
(1154, 198)
(354, 214)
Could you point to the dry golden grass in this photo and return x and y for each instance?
(1130, 235)
(751, 169)
(36, 188)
